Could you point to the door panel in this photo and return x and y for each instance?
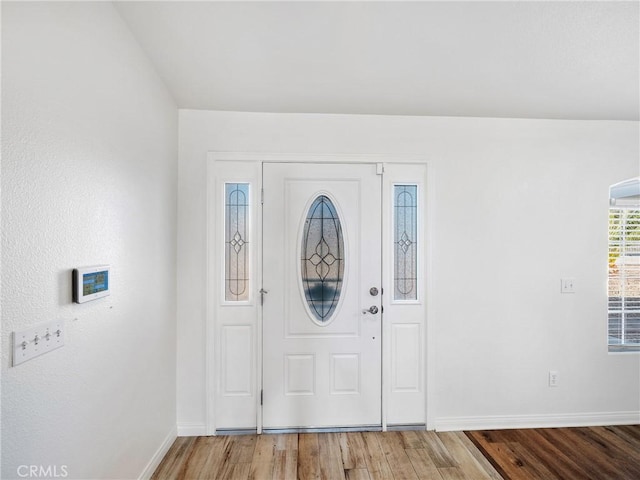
(321, 369)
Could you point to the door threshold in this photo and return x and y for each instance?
(403, 427)
(236, 431)
(358, 428)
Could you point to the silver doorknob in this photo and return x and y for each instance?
(373, 291)
(372, 309)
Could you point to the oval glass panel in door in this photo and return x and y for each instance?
(322, 258)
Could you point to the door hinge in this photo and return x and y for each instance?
(262, 196)
(261, 397)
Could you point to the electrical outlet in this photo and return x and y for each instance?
(553, 378)
(567, 285)
(35, 341)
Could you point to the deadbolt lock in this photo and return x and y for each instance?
(373, 291)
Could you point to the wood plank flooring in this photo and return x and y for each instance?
(340, 456)
(593, 453)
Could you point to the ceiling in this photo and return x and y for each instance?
(564, 60)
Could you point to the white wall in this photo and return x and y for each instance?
(89, 165)
(518, 204)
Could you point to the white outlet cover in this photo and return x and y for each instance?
(568, 285)
(35, 341)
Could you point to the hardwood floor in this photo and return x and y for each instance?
(348, 456)
(594, 453)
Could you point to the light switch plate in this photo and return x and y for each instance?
(35, 341)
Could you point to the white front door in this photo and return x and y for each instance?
(322, 314)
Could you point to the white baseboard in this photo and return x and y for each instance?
(192, 429)
(158, 456)
(537, 421)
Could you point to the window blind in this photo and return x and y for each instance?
(624, 279)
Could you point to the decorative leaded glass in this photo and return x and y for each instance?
(405, 232)
(322, 258)
(236, 242)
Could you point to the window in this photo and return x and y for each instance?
(236, 285)
(624, 272)
(405, 239)
(322, 260)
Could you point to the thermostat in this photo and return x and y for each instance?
(90, 283)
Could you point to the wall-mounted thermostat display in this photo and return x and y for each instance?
(90, 283)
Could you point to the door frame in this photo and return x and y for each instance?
(213, 281)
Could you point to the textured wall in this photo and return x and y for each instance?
(89, 154)
(518, 204)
